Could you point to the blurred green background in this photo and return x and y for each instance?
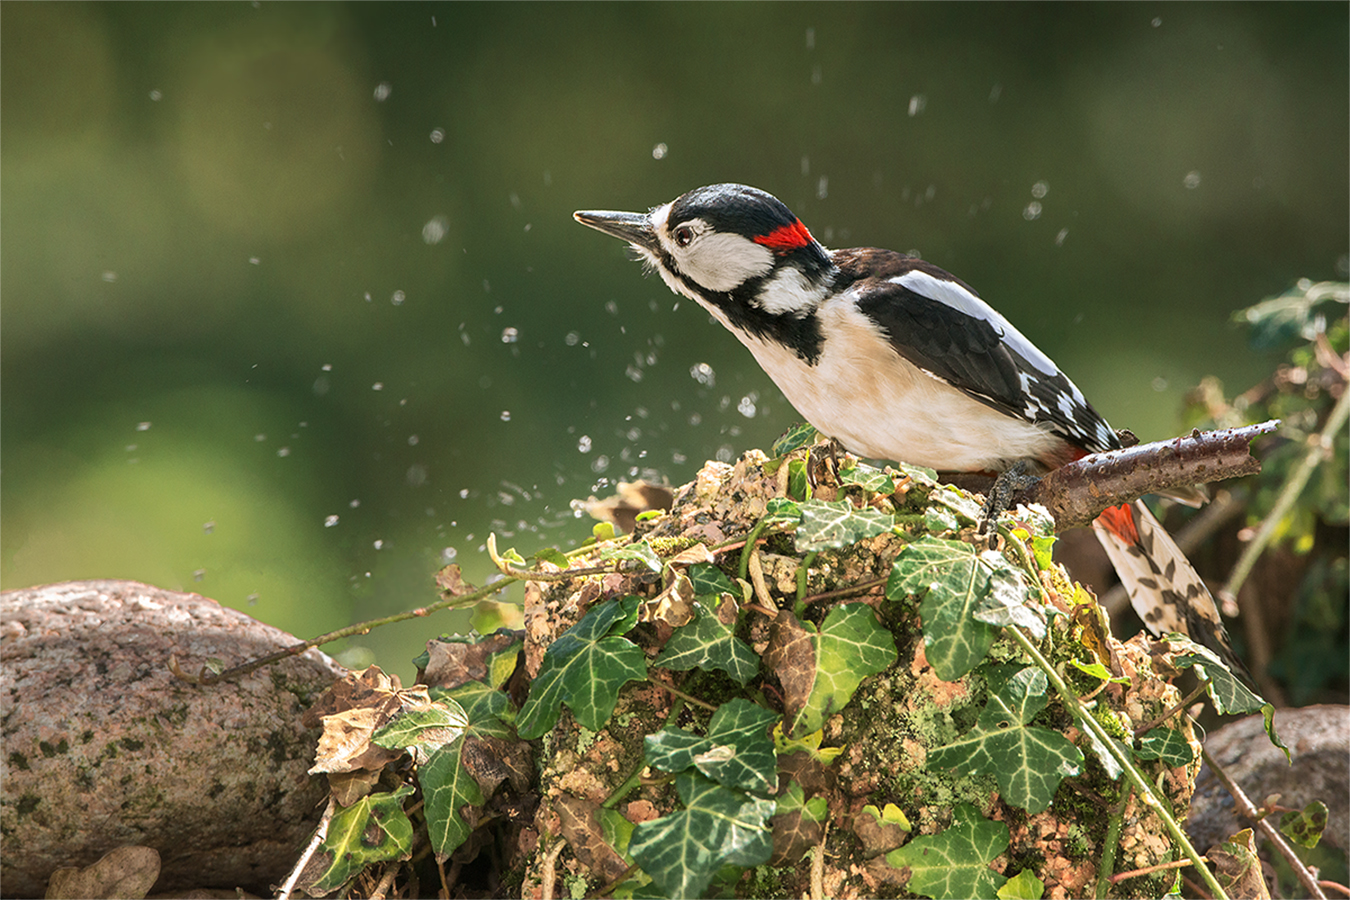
(294, 309)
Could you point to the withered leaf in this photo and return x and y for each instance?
(792, 657)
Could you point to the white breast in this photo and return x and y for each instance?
(866, 396)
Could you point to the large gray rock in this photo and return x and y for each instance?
(104, 747)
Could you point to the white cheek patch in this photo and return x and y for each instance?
(722, 262)
(790, 292)
(957, 297)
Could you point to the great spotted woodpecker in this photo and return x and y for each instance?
(897, 359)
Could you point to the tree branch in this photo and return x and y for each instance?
(1076, 493)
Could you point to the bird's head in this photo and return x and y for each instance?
(726, 245)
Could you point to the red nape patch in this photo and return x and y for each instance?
(786, 237)
(1119, 520)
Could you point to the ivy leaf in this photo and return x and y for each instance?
(869, 478)
(489, 711)
(682, 851)
(1006, 602)
(708, 643)
(448, 787)
(799, 482)
(1166, 744)
(955, 584)
(1097, 670)
(552, 555)
(1305, 826)
(1022, 886)
(820, 670)
(959, 503)
(708, 580)
(585, 668)
(639, 551)
(1028, 761)
(955, 863)
(448, 784)
(373, 829)
(431, 728)
(920, 475)
(1228, 694)
(796, 437)
(737, 751)
(828, 524)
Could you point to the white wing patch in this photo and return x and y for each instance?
(957, 297)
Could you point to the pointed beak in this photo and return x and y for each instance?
(631, 227)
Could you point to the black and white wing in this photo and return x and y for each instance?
(938, 323)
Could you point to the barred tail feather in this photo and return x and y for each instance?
(1164, 588)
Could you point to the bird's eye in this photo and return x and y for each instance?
(683, 235)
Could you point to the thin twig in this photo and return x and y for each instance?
(386, 880)
(682, 695)
(349, 631)
(1149, 870)
(1248, 811)
(550, 868)
(609, 888)
(1184, 704)
(319, 834)
(1319, 449)
(861, 587)
(818, 865)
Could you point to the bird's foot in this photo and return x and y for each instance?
(1010, 482)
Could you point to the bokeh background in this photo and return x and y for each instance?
(294, 309)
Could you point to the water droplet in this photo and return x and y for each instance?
(1192, 180)
(917, 104)
(1032, 212)
(601, 464)
(659, 151)
(434, 231)
(1157, 22)
(330, 521)
(354, 504)
(398, 298)
(156, 95)
(1040, 189)
(437, 135)
(143, 426)
(1160, 384)
(382, 91)
(572, 338)
(416, 476)
(379, 545)
(284, 452)
(377, 386)
(448, 554)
